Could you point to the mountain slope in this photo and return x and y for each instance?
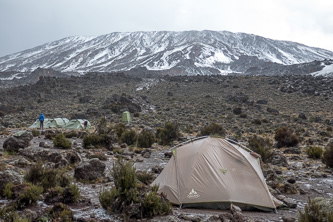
(188, 52)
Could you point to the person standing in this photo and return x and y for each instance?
(41, 120)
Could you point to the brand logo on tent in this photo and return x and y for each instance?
(193, 194)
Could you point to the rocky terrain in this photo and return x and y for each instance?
(244, 105)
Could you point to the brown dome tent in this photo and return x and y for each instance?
(213, 173)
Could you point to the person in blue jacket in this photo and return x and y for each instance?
(41, 120)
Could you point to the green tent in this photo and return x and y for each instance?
(62, 123)
(126, 117)
(51, 123)
(77, 124)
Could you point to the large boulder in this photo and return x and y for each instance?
(19, 140)
(7, 176)
(279, 159)
(89, 171)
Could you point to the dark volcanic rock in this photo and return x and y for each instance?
(7, 176)
(279, 159)
(19, 140)
(89, 171)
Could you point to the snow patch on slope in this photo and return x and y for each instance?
(327, 70)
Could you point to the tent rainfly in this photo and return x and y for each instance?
(62, 123)
(77, 124)
(126, 117)
(51, 123)
(213, 173)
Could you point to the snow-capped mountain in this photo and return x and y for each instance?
(187, 52)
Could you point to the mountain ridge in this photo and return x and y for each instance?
(186, 52)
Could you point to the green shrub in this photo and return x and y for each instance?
(155, 204)
(71, 194)
(35, 173)
(314, 152)
(168, 133)
(213, 129)
(106, 197)
(103, 140)
(124, 176)
(317, 210)
(61, 212)
(145, 177)
(257, 121)
(60, 141)
(54, 193)
(243, 115)
(91, 140)
(2, 166)
(8, 213)
(119, 128)
(261, 146)
(29, 196)
(328, 155)
(285, 137)
(128, 192)
(101, 156)
(35, 132)
(8, 190)
(46, 177)
(129, 137)
(71, 134)
(146, 139)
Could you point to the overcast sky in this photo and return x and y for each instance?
(25, 24)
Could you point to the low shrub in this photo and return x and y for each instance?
(128, 193)
(124, 177)
(29, 196)
(213, 129)
(119, 129)
(35, 132)
(262, 146)
(317, 210)
(327, 157)
(8, 213)
(2, 166)
(71, 194)
(103, 140)
(8, 190)
(146, 139)
(314, 152)
(257, 121)
(91, 140)
(71, 134)
(129, 137)
(168, 133)
(285, 137)
(243, 115)
(60, 141)
(155, 204)
(46, 177)
(101, 156)
(145, 177)
(35, 173)
(106, 197)
(60, 212)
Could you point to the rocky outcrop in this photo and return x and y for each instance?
(90, 171)
(20, 140)
(7, 176)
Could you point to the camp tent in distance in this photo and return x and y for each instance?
(126, 117)
(62, 123)
(213, 173)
